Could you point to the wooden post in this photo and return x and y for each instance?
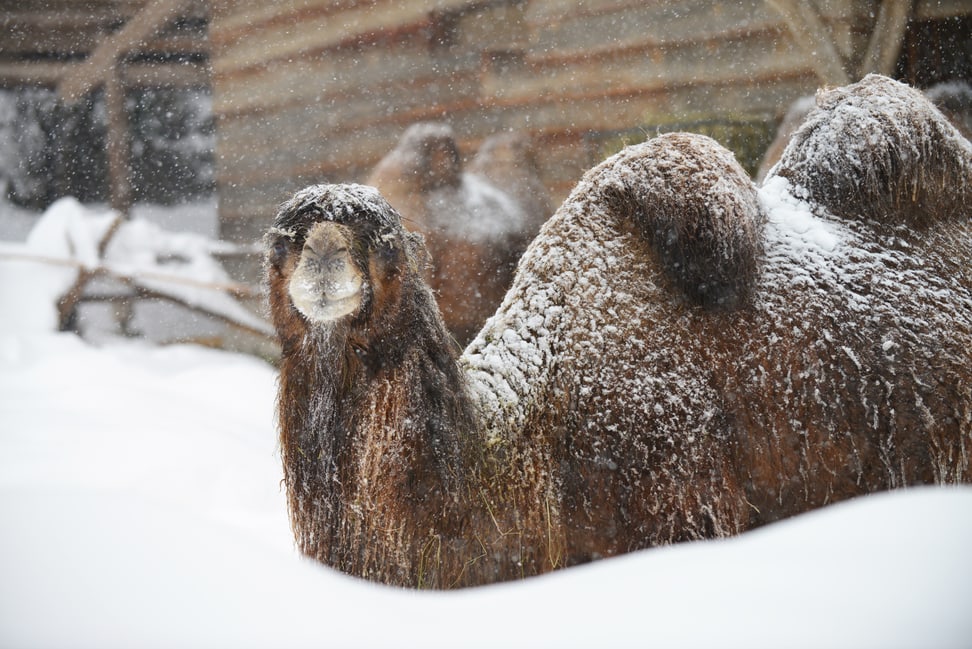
(119, 145)
(887, 38)
(92, 71)
(810, 34)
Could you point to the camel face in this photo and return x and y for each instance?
(336, 254)
(326, 284)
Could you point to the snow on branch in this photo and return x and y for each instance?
(72, 247)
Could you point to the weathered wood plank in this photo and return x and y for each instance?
(566, 28)
(939, 9)
(887, 37)
(185, 74)
(811, 36)
(334, 76)
(646, 69)
(40, 73)
(190, 74)
(25, 40)
(97, 66)
(339, 152)
(315, 31)
(300, 127)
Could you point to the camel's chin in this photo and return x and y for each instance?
(324, 310)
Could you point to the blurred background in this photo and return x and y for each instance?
(204, 116)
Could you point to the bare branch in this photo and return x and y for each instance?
(145, 292)
(135, 282)
(68, 301)
(234, 289)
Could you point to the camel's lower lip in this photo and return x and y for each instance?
(326, 310)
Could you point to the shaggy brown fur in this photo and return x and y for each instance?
(953, 99)
(670, 364)
(476, 223)
(899, 143)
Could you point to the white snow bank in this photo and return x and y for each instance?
(36, 273)
(141, 507)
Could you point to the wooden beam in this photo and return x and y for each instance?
(96, 68)
(887, 37)
(34, 73)
(812, 37)
(167, 75)
(136, 75)
(941, 9)
(119, 145)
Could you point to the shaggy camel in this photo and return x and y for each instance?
(681, 356)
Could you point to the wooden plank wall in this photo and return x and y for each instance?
(41, 42)
(319, 90)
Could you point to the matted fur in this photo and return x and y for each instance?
(610, 404)
(878, 149)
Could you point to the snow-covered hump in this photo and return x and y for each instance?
(674, 214)
(879, 150)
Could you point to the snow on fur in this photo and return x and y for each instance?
(880, 150)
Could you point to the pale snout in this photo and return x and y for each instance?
(326, 284)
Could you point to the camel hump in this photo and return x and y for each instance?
(697, 208)
(879, 150)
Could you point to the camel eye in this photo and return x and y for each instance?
(389, 254)
(279, 250)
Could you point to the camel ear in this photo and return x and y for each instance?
(419, 259)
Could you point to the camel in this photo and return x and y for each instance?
(681, 356)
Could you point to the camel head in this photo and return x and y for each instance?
(338, 254)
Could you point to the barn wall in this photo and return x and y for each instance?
(42, 43)
(319, 90)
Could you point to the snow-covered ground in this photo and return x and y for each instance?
(141, 506)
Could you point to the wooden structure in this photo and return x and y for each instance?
(80, 47)
(313, 90)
